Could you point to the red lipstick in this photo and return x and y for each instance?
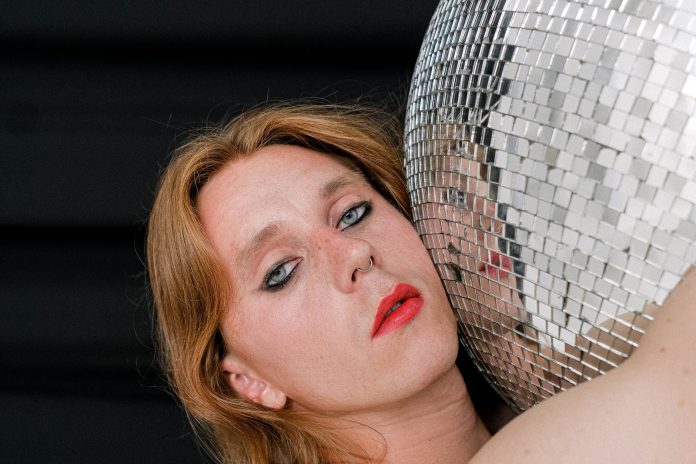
(498, 266)
(396, 309)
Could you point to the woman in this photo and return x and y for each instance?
(302, 320)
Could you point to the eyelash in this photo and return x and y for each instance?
(363, 204)
(367, 205)
(286, 279)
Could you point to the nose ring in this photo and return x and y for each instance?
(369, 266)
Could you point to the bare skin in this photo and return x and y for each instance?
(404, 387)
(399, 396)
(642, 411)
(439, 426)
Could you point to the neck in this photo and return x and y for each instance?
(439, 425)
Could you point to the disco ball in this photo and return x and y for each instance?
(551, 165)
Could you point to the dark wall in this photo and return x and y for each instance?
(93, 97)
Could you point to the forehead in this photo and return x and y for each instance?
(269, 185)
(277, 164)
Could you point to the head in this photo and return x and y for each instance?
(256, 243)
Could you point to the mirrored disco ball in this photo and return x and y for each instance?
(551, 164)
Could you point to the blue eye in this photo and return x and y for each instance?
(280, 275)
(354, 215)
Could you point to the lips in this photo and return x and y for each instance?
(497, 267)
(397, 309)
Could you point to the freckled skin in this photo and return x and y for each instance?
(312, 338)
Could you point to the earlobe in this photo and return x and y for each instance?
(250, 386)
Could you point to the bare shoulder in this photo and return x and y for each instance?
(642, 411)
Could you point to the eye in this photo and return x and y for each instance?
(354, 215)
(280, 275)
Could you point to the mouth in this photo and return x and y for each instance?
(497, 267)
(397, 309)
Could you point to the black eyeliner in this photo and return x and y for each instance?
(283, 282)
(367, 204)
(368, 209)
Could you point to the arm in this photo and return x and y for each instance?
(642, 411)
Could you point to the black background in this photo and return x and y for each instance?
(94, 95)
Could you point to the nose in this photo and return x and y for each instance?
(345, 259)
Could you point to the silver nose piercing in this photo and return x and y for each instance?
(369, 266)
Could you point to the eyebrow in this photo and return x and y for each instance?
(257, 242)
(272, 230)
(331, 187)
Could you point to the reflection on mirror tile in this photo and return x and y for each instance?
(551, 164)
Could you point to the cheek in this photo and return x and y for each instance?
(282, 338)
(398, 235)
(262, 335)
(414, 262)
(415, 258)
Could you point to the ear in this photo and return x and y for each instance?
(249, 385)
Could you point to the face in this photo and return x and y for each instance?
(292, 226)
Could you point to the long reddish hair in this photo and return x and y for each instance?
(188, 282)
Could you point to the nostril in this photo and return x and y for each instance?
(354, 275)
